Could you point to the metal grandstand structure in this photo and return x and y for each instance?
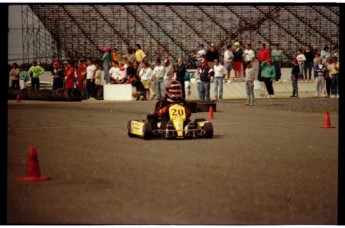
(56, 31)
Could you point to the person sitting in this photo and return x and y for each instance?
(173, 95)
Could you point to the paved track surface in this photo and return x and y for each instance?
(266, 164)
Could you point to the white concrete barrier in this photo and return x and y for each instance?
(118, 92)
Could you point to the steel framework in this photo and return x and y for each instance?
(81, 31)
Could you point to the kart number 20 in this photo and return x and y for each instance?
(177, 112)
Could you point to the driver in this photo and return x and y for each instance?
(173, 95)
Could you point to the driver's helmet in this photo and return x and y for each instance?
(174, 90)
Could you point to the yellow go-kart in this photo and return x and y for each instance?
(177, 127)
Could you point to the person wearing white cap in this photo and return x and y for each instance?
(237, 60)
(211, 55)
(167, 73)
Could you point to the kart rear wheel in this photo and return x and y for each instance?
(208, 128)
(147, 130)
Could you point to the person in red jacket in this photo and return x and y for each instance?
(263, 55)
(69, 75)
(173, 95)
(81, 75)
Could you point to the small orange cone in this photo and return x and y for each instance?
(18, 98)
(327, 121)
(33, 172)
(210, 113)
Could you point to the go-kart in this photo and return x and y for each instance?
(176, 128)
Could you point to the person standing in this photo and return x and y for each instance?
(249, 79)
(263, 56)
(90, 79)
(334, 73)
(328, 78)
(145, 77)
(319, 75)
(14, 74)
(325, 54)
(197, 79)
(277, 57)
(200, 55)
(35, 71)
(180, 70)
(228, 57)
(301, 59)
(205, 81)
(106, 64)
(158, 76)
(139, 54)
(58, 75)
(269, 73)
(295, 75)
(69, 75)
(81, 75)
(308, 64)
(167, 73)
(237, 60)
(211, 55)
(187, 84)
(248, 57)
(23, 77)
(219, 74)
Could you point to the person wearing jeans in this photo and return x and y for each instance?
(269, 74)
(219, 74)
(205, 81)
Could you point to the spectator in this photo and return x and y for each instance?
(319, 75)
(140, 93)
(90, 79)
(129, 55)
(269, 75)
(81, 75)
(106, 64)
(263, 56)
(325, 54)
(158, 76)
(115, 55)
(197, 79)
(301, 59)
(114, 71)
(180, 70)
(335, 52)
(35, 71)
(219, 74)
(316, 58)
(308, 64)
(58, 75)
(167, 72)
(248, 57)
(139, 54)
(211, 55)
(200, 55)
(334, 73)
(277, 57)
(205, 75)
(130, 72)
(249, 79)
(145, 77)
(136, 67)
(237, 60)
(14, 74)
(121, 79)
(328, 78)
(69, 75)
(187, 84)
(228, 57)
(23, 77)
(98, 75)
(295, 75)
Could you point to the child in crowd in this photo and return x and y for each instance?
(295, 75)
(249, 79)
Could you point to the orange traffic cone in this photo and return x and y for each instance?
(18, 98)
(33, 172)
(327, 121)
(210, 113)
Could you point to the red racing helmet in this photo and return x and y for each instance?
(174, 90)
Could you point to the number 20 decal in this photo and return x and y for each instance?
(179, 112)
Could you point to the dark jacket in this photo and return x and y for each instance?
(204, 75)
(211, 56)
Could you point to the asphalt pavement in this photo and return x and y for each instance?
(266, 164)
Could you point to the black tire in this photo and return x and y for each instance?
(59, 94)
(33, 94)
(75, 95)
(46, 94)
(24, 94)
(147, 131)
(192, 105)
(67, 94)
(10, 94)
(204, 106)
(208, 128)
(99, 92)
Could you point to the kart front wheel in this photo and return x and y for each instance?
(208, 128)
(147, 130)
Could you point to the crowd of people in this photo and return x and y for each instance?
(151, 80)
